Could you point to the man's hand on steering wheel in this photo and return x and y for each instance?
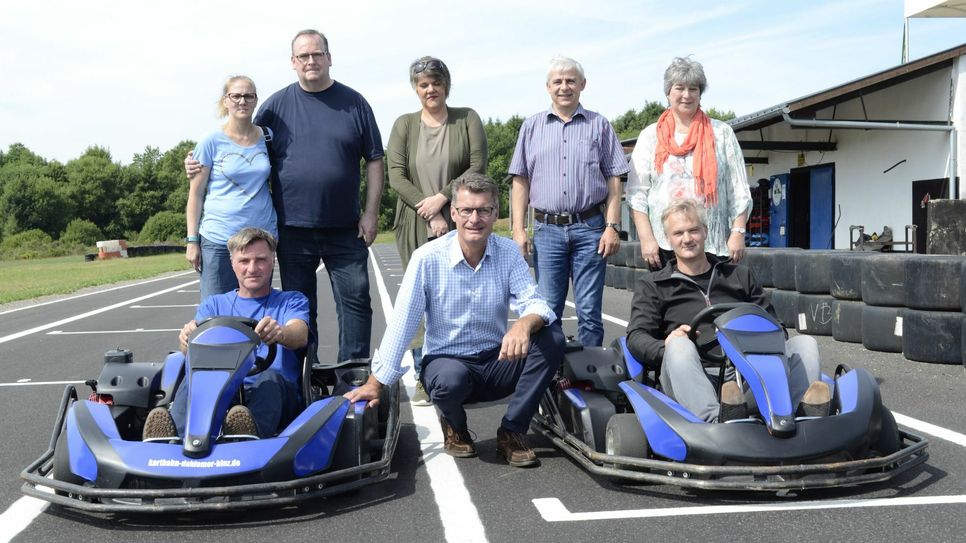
(270, 331)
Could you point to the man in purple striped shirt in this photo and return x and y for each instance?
(567, 165)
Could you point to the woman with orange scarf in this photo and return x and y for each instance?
(686, 154)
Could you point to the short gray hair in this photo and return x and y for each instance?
(311, 32)
(562, 64)
(477, 183)
(248, 235)
(684, 71)
(431, 67)
(686, 206)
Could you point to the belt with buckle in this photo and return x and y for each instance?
(566, 218)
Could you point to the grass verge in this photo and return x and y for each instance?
(25, 279)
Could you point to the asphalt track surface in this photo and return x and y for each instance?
(432, 497)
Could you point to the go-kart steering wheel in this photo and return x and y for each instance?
(261, 364)
(707, 316)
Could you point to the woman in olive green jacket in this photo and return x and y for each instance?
(427, 150)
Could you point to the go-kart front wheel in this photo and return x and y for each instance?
(625, 437)
(61, 469)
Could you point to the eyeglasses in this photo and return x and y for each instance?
(432, 65)
(237, 98)
(304, 58)
(483, 212)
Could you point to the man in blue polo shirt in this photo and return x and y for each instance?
(322, 129)
(567, 166)
(271, 397)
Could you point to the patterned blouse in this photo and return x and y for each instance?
(650, 192)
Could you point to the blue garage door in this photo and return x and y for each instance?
(822, 207)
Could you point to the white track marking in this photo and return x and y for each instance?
(189, 290)
(29, 383)
(931, 429)
(553, 510)
(460, 519)
(604, 316)
(18, 516)
(31, 306)
(162, 306)
(48, 326)
(135, 331)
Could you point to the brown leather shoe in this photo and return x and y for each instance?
(514, 448)
(816, 401)
(458, 444)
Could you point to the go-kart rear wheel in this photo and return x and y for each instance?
(887, 442)
(61, 469)
(625, 437)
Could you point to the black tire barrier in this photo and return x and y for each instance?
(768, 292)
(760, 261)
(609, 274)
(932, 336)
(932, 282)
(783, 268)
(785, 303)
(618, 257)
(883, 280)
(629, 248)
(151, 250)
(962, 287)
(624, 278)
(845, 275)
(962, 343)
(815, 314)
(847, 321)
(639, 261)
(812, 272)
(881, 329)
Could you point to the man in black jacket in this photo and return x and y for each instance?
(667, 300)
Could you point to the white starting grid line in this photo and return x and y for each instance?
(459, 517)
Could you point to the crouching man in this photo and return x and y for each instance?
(271, 397)
(464, 284)
(665, 301)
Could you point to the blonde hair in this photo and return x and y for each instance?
(222, 109)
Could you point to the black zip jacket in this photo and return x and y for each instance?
(666, 299)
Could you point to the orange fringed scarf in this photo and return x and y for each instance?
(700, 140)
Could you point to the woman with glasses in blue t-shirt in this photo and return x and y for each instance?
(231, 191)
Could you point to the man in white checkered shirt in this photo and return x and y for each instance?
(464, 284)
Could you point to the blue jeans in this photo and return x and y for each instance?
(452, 382)
(346, 259)
(272, 400)
(217, 277)
(562, 252)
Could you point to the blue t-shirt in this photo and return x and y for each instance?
(319, 140)
(282, 306)
(237, 194)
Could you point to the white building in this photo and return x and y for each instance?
(869, 152)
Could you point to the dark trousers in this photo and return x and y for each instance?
(454, 381)
(346, 260)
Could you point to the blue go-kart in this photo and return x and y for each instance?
(97, 461)
(607, 412)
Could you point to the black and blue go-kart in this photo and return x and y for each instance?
(606, 411)
(97, 461)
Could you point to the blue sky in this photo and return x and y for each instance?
(125, 74)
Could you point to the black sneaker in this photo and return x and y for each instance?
(817, 400)
(733, 405)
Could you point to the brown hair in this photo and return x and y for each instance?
(248, 235)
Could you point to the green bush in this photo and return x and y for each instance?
(164, 226)
(81, 232)
(29, 244)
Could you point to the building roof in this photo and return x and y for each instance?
(806, 106)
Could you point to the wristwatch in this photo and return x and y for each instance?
(192, 239)
(739, 229)
(615, 225)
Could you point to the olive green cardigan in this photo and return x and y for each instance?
(467, 153)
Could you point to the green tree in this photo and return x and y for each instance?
(32, 200)
(92, 183)
(81, 232)
(164, 226)
(501, 140)
(171, 178)
(630, 124)
(140, 194)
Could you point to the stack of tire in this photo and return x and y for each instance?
(626, 267)
(890, 302)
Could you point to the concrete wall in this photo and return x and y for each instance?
(864, 192)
